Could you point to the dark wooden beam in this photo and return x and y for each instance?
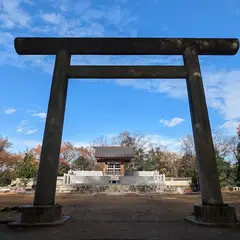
(126, 46)
(127, 72)
(114, 159)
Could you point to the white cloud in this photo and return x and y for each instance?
(52, 18)
(172, 144)
(221, 90)
(229, 126)
(81, 144)
(31, 131)
(221, 86)
(20, 129)
(90, 21)
(6, 39)
(20, 145)
(24, 128)
(29, 2)
(29, 143)
(40, 115)
(172, 123)
(10, 111)
(13, 15)
(23, 122)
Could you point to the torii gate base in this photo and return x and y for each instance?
(212, 212)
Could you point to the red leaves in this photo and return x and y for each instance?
(68, 152)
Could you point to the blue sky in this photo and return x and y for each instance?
(158, 108)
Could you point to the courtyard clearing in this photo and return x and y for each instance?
(121, 217)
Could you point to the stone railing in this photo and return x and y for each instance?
(231, 189)
(178, 182)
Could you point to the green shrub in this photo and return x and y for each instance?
(6, 177)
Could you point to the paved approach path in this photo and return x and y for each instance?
(116, 217)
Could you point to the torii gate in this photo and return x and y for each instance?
(212, 211)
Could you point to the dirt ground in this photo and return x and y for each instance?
(118, 217)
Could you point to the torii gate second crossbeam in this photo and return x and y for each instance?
(212, 211)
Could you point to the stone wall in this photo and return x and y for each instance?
(92, 180)
(30, 182)
(108, 189)
(137, 180)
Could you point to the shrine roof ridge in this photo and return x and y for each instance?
(114, 152)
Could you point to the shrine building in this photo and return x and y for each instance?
(114, 159)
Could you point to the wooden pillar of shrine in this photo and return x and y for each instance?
(122, 168)
(105, 169)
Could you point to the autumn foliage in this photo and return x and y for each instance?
(147, 156)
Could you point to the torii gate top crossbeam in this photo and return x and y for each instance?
(126, 46)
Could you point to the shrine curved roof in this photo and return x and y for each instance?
(114, 152)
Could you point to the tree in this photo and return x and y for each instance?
(156, 157)
(150, 160)
(225, 145)
(28, 167)
(82, 163)
(63, 167)
(238, 158)
(68, 155)
(188, 164)
(195, 185)
(37, 151)
(226, 171)
(135, 140)
(7, 162)
(139, 162)
(7, 159)
(101, 142)
(68, 152)
(4, 144)
(98, 166)
(171, 163)
(127, 139)
(6, 177)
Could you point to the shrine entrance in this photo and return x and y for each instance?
(212, 210)
(114, 169)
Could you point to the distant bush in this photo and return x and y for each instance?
(6, 177)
